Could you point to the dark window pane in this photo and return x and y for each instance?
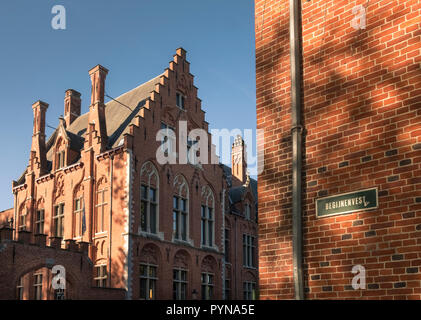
(152, 215)
(210, 232)
(143, 216)
(143, 289)
(184, 226)
(152, 194)
(144, 192)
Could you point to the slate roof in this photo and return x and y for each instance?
(117, 118)
(236, 193)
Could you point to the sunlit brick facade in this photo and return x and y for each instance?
(154, 231)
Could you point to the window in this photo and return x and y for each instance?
(19, 289)
(180, 100)
(207, 226)
(179, 284)
(148, 278)
(207, 217)
(39, 222)
(101, 205)
(59, 294)
(227, 289)
(192, 147)
(22, 221)
(168, 133)
(78, 211)
(249, 290)
(100, 275)
(58, 220)
(207, 286)
(61, 159)
(148, 209)
(180, 218)
(249, 248)
(38, 286)
(247, 213)
(227, 245)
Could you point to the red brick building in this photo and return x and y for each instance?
(156, 231)
(361, 128)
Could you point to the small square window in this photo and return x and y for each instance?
(180, 100)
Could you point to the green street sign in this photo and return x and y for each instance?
(347, 202)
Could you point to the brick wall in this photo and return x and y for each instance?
(362, 115)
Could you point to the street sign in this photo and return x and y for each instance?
(347, 202)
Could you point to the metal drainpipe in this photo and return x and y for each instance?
(111, 216)
(296, 133)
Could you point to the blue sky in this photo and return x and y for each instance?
(135, 40)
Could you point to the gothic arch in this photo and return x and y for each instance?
(209, 264)
(151, 254)
(182, 259)
(181, 187)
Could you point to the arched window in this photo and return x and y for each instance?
(149, 195)
(247, 211)
(181, 275)
(148, 272)
(60, 158)
(22, 217)
(78, 210)
(208, 278)
(100, 274)
(181, 209)
(207, 217)
(39, 217)
(101, 207)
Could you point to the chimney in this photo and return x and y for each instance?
(72, 106)
(238, 161)
(38, 138)
(97, 107)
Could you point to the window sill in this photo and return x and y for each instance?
(207, 248)
(250, 268)
(102, 234)
(188, 242)
(156, 236)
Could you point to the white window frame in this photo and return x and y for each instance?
(58, 217)
(77, 215)
(20, 288)
(180, 100)
(179, 283)
(249, 290)
(207, 285)
(179, 212)
(148, 201)
(148, 279)
(39, 221)
(249, 251)
(102, 276)
(100, 206)
(38, 279)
